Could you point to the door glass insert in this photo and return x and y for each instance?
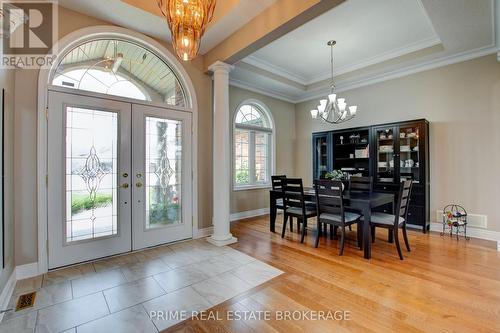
(163, 172)
(409, 152)
(91, 174)
(385, 155)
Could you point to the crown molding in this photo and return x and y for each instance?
(267, 66)
(255, 89)
(394, 74)
(372, 79)
(394, 53)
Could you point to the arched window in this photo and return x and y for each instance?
(120, 68)
(253, 146)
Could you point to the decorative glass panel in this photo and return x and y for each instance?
(163, 172)
(251, 115)
(119, 68)
(91, 173)
(241, 153)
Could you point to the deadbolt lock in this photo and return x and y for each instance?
(124, 185)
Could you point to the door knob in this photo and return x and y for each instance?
(138, 184)
(124, 185)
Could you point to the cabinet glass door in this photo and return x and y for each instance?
(321, 156)
(409, 145)
(385, 141)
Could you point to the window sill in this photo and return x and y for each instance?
(251, 187)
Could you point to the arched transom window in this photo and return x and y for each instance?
(253, 140)
(120, 68)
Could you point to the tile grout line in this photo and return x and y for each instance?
(150, 319)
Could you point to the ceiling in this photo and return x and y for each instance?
(376, 40)
(230, 15)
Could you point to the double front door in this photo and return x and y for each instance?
(119, 177)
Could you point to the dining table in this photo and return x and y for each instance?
(362, 202)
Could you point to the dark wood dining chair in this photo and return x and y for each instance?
(295, 205)
(277, 185)
(330, 210)
(361, 184)
(394, 222)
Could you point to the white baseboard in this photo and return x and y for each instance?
(248, 214)
(27, 271)
(205, 232)
(7, 293)
(475, 233)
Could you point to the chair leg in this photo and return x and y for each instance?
(298, 225)
(359, 234)
(304, 222)
(316, 243)
(390, 237)
(405, 237)
(291, 224)
(373, 234)
(331, 231)
(325, 229)
(350, 228)
(342, 240)
(396, 240)
(285, 218)
(335, 232)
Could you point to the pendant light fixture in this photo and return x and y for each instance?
(333, 110)
(187, 20)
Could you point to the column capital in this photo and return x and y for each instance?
(220, 66)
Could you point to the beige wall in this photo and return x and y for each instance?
(7, 83)
(284, 119)
(462, 103)
(25, 144)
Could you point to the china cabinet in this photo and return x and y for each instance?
(390, 153)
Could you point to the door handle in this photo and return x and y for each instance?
(124, 185)
(138, 184)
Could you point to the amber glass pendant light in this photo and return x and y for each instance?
(187, 20)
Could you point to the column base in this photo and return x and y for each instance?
(222, 242)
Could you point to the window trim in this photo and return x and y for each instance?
(252, 129)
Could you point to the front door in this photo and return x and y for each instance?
(162, 176)
(119, 177)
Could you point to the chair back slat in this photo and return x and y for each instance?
(361, 184)
(277, 182)
(403, 200)
(329, 197)
(293, 192)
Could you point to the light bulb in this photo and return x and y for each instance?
(353, 109)
(321, 108)
(314, 113)
(332, 97)
(323, 102)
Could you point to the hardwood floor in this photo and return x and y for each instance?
(441, 286)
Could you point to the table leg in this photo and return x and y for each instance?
(367, 235)
(272, 211)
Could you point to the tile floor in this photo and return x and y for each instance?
(117, 294)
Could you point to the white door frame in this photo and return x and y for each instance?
(62, 47)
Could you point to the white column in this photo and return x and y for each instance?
(221, 156)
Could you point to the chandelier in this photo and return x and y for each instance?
(187, 20)
(333, 110)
